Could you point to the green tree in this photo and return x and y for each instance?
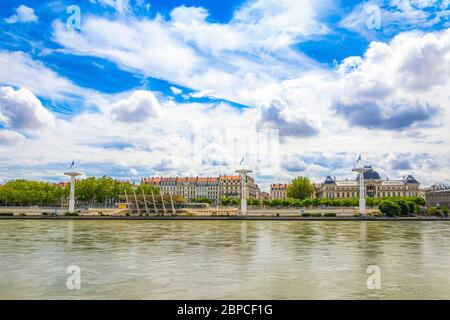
(147, 189)
(404, 208)
(28, 193)
(390, 208)
(433, 211)
(300, 188)
(201, 200)
(225, 201)
(412, 206)
(419, 201)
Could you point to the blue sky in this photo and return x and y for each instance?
(143, 75)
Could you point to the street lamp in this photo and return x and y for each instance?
(362, 191)
(72, 176)
(243, 173)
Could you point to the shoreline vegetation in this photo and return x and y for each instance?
(224, 218)
(103, 197)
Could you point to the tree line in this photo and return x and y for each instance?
(321, 202)
(91, 190)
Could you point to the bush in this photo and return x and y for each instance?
(418, 200)
(307, 202)
(316, 215)
(329, 214)
(6, 214)
(201, 200)
(404, 208)
(445, 211)
(376, 214)
(71, 214)
(306, 214)
(390, 208)
(433, 211)
(413, 207)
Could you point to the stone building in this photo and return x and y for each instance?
(213, 188)
(278, 191)
(375, 187)
(438, 196)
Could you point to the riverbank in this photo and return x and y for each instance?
(223, 218)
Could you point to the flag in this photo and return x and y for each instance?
(359, 159)
(242, 161)
(72, 164)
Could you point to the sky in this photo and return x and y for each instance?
(137, 88)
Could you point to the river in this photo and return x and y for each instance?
(224, 259)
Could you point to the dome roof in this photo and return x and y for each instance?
(329, 180)
(370, 174)
(411, 179)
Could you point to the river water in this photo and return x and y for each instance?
(224, 259)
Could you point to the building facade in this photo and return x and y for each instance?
(438, 196)
(278, 191)
(213, 188)
(374, 185)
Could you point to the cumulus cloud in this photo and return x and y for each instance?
(398, 86)
(176, 91)
(291, 121)
(191, 51)
(23, 14)
(119, 5)
(401, 164)
(395, 15)
(18, 69)
(21, 110)
(9, 138)
(396, 116)
(138, 107)
(387, 81)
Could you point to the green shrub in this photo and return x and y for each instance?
(306, 214)
(404, 208)
(329, 214)
(445, 211)
(390, 208)
(6, 214)
(316, 215)
(433, 211)
(413, 208)
(71, 214)
(376, 214)
(307, 202)
(418, 200)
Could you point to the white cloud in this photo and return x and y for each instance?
(9, 138)
(138, 107)
(247, 60)
(119, 5)
(176, 91)
(133, 172)
(292, 121)
(396, 15)
(23, 14)
(18, 69)
(249, 51)
(391, 84)
(21, 110)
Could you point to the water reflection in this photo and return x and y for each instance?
(224, 259)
